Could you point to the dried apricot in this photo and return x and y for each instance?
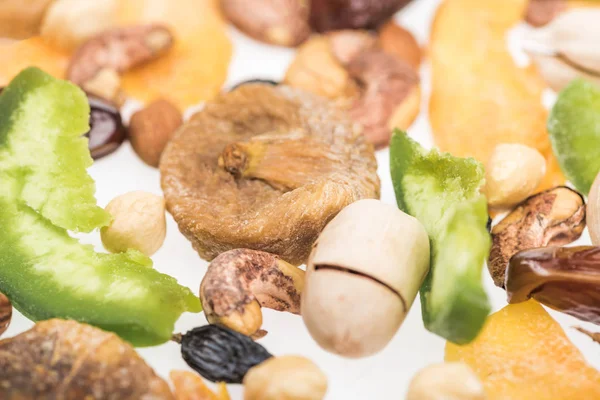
(196, 67)
(480, 97)
(190, 386)
(522, 353)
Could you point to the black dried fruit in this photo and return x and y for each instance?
(106, 128)
(220, 354)
(259, 80)
(5, 313)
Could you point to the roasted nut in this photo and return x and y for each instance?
(541, 12)
(69, 23)
(555, 217)
(362, 277)
(330, 15)
(151, 128)
(239, 282)
(138, 223)
(19, 20)
(593, 211)
(99, 60)
(279, 22)
(566, 279)
(285, 378)
(446, 381)
(512, 174)
(106, 132)
(398, 41)
(5, 313)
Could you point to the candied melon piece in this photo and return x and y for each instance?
(480, 98)
(196, 67)
(522, 353)
(16, 56)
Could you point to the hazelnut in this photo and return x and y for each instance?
(446, 381)
(151, 128)
(138, 222)
(285, 378)
(512, 174)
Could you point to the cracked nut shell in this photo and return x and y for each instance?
(555, 217)
(265, 168)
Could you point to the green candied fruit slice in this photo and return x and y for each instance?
(45, 190)
(574, 127)
(442, 192)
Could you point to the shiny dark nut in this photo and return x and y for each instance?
(5, 313)
(259, 80)
(329, 15)
(566, 279)
(106, 128)
(555, 217)
(220, 354)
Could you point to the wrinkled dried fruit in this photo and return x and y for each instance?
(69, 360)
(151, 128)
(196, 67)
(21, 19)
(106, 128)
(279, 22)
(5, 313)
(523, 353)
(190, 386)
(265, 168)
(555, 217)
(239, 282)
(330, 15)
(220, 354)
(480, 97)
(566, 279)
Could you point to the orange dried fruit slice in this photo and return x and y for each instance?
(190, 386)
(523, 353)
(18, 55)
(480, 97)
(196, 67)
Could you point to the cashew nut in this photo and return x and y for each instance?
(238, 282)
(446, 381)
(363, 276)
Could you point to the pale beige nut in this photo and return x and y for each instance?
(69, 23)
(512, 174)
(593, 212)
(279, 22)
(446, 381)
(285, 378)
(151, 128)
(396, 40)
(21, 19)
(138, 223)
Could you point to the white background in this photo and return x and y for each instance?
(383, 376)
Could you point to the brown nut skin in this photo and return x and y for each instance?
(330, 15)
(59, 359)
(5, 313)
(555, 217)
(151, 128)
(239, 282)
(566, 279)
(279, 22)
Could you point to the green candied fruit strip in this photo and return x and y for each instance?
(43, 270)
(574, 127)
(442, 192)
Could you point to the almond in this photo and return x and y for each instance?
(151, 129)
(396, 40)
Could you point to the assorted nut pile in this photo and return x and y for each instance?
(270, 175)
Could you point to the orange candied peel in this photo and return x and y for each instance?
(190, 386)
(480, 97)
(523, 353)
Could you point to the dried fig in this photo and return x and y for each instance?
(280, 22)
(69, 360)
(329, 15)
(265, 167)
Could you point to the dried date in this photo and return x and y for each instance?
(566, 279)
(220, 354)
(106, 128)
